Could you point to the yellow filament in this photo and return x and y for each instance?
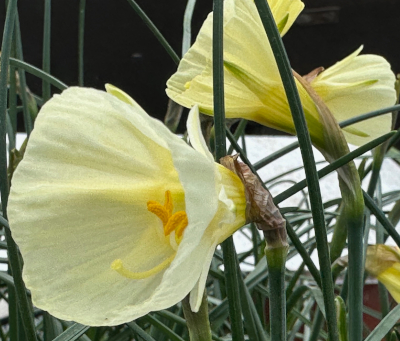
(171, 222)
(118, 266)
(169, 206)
(177, 222)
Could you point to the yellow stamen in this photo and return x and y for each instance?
(169, 206)
(118, 266)
(177, 222)
(171, 222)
(159, 210)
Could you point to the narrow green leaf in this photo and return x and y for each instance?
(187, 26)
(51, 327)
(46, 49)
(155, 31)
(342, 318)
(368, 115)
(162, 327)
(81, 39)
(383, 220)
(72, 333)
(333, 166)
(385, 325)
(299, 120)
(139, 331)
(38, 73)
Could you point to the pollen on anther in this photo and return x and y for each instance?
(159, 210)
(177, 222)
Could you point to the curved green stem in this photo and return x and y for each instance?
(276, 259)
(197, 323)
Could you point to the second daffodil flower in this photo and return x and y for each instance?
(253, 87)
(383, 262)
(114, 215)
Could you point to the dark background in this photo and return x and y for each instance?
(119, 48)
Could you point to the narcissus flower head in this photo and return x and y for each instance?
(253, 87)
(383, 262)
(114, 215)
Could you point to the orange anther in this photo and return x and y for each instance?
(178, 221)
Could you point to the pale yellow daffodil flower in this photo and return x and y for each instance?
(383, 262)
(114, 215)
(253, 87)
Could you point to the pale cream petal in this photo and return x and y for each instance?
(253, 87)
(78, 202)
(122, 95)
(196, 137)
(245, 46)
(196, 294)
(285, 11)
(354, 86)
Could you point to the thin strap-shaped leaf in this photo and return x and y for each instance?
(81, 37)
(139, 331)
(72, 333)
(22, 298)
(38, 73)
(333, 166)
(385, 325)
(387, 225)
(187, 26)
(162, 327)
(310, 169)
(46, 49)
(155, 31)
(231, 270)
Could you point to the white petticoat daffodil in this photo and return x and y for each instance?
(253, 86)
(114, 215)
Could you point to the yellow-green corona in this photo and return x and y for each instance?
(114, 215)
(253, 87)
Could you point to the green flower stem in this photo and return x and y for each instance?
(22, 299)
(46, 49)
(197, 323)
(276, 259)
(229, 254)
(81, 38)
(155, 31)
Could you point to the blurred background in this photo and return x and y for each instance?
(120, 49)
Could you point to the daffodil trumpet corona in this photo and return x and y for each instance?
(114, 215)
(253, 87)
